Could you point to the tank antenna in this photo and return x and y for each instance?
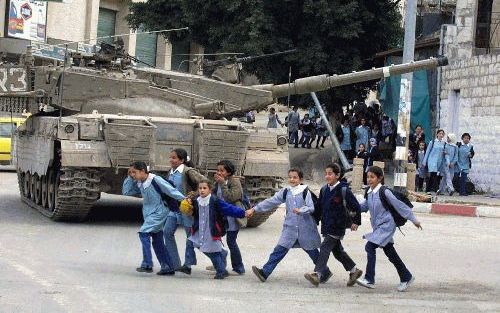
(122, 35)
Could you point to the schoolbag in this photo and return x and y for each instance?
(398, 219)
(459, 144)
(317, 207)
(170, 202)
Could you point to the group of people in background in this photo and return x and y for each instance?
(441, 161)
(209, 210)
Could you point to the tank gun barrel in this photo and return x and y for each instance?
(325, 81)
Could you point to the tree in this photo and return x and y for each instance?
(332, 36)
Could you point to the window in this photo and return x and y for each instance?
(6, 129)
(106, 25)
(145, 49)
(483, 24)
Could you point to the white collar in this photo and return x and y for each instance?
(465, 144)
(336, 184)
(147, 182)
(179, 169)
(297, 189)
(204, 201)
(376, 189)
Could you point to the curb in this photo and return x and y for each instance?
(456, 209)
(453, 209)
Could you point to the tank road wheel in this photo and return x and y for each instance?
(27, 185)
(37, 189)
(44, 191)
(51, 190)
(20, 182)
(258, 189)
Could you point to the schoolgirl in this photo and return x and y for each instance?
(229, 189)
(335, 198)
(154, 212)
(185, 179)
(384, 228)
(210, 224)
(299, 227)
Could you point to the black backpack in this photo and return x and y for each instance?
(317, 207)
(170, 202)
(398, 219)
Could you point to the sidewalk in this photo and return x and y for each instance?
(472, 206)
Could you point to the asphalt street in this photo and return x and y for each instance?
(90, 267)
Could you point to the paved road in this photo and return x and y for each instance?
(89, 267)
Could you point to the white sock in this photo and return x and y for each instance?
(353, 270)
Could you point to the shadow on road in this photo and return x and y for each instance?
(113, 208)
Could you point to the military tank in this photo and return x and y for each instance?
(89, 123)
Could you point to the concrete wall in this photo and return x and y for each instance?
(477, 79)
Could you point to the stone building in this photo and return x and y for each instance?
(79, 20)
(470, 86)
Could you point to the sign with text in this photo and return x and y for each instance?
(13, 79)
(27, 19)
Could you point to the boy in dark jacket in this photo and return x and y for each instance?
(209, 226)
(341, 210)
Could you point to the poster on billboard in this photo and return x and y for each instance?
(27, 19)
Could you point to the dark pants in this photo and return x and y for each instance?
(392, 255)
(218, 261)
(462, 181)
(158, 247)
(433, 183)
(294, 137)
(279, 253)
(322, 142)
(334, 246)
(236, 260)
(419, 181)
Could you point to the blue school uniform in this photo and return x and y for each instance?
(463, 159)
(362, 136)
(299, 230)
(384, 228)
(435, 155)
(154, 210)
(381, 219)
(154, 213)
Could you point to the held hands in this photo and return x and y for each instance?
(354, 227)
(249, 213)
(418, 225)
(296, 210)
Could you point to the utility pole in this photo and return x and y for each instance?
(404, 112)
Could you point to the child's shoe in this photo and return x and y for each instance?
(144, 269)
(363, 282)
(404, 285)
(165, 272)
(353, 277)
(239, 271)
(313, 278)
(184, 269)
(221, 276)
(259, 273)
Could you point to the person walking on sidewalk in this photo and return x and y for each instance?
(435, 156)
(139, 182)
(464, 162)
(337, 202)
(293, 121)
(448, 167)
(384, 228)
(299, 228)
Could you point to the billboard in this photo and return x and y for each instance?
(27, 19)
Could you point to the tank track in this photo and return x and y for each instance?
(74, 192)
(258, 189)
